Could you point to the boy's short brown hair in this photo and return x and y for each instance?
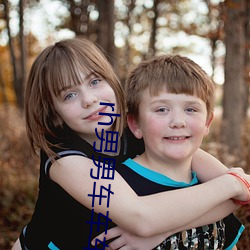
(177, 74)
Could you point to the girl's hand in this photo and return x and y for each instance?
(244, 180)
(126, 241)
(17, 245)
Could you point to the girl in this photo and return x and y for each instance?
(72, 97)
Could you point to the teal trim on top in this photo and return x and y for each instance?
(157, 177)
(52, 246)
(236, 238)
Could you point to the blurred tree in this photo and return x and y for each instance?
(247, 61)
(95, 20)
(80, 21)
(215, 33)
(3, 94)
(2, 88)
(105, 31)
(235, 17)
(23, 59)
(15, 46)
(152, 40)
(7, 94)
(11, 45)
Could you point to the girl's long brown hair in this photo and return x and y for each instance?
(57, 66)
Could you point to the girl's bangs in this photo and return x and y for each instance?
(66, 73)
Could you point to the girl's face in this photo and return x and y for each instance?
(79, 106)
(172, 126)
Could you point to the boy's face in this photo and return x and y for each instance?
(172, 125)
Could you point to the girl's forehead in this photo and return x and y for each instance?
(70, 77)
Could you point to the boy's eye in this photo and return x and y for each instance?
(163, 109)
(190, 109)
(69, 96)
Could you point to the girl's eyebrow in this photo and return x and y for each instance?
(87, 77)
(64, 88)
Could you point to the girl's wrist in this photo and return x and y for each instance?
(244, 184)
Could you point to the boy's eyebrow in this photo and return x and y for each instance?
(164, 100)
(193, 102)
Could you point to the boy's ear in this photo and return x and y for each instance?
(134, 126)
(208, 123)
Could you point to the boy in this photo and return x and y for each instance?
(170, 103)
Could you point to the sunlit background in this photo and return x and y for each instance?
(43, 20)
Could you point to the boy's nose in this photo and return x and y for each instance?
(177, 121)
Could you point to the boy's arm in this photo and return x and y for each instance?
(207, 166)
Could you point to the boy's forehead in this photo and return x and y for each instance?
(164, 93)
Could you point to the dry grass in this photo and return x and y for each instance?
(19, 175)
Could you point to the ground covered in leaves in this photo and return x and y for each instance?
(19, 172)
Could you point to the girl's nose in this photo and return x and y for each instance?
(88, 99)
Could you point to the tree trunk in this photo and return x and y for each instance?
(152, 41)
(3, 89)
(79, 17)
(247, 61)
(22, 75)
(234, 76)
(105, 35)
(14, 61)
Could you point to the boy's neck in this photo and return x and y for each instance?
(177, 171)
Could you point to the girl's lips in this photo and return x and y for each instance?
(95, 115)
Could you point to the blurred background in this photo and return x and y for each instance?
(214, 33)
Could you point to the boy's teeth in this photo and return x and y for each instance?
(177, 138)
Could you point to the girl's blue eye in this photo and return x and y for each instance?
(69, 96)
(95, 82)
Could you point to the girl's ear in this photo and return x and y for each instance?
(134, 126)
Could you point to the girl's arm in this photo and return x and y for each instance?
(142, 215)
(135, 242)
(207, 166)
